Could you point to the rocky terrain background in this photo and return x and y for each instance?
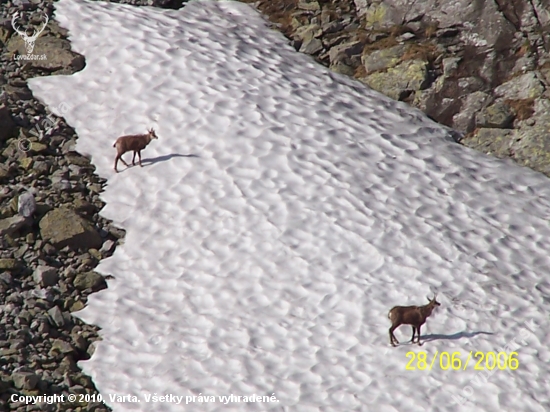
(479, 67)
(51, 235)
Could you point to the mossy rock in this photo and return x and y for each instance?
(411, 75)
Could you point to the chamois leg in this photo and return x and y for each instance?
(393, 339)
(139, 155)
(122, 160)
(134, 159)
(119, 156)
(418, 338)
(414, 330)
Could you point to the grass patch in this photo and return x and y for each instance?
(523, 108)
(278, 12)
(420, 51)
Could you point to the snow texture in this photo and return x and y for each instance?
(282, 212)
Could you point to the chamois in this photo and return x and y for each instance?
(410, 315)
(136, 143)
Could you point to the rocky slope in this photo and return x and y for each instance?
(51, 235)
(481, 68)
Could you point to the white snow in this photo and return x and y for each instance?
(282, 212)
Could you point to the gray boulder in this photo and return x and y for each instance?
(64, 227)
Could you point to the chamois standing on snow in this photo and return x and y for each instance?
(132, 142)
(410, 315)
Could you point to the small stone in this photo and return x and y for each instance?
(107, 247)
(49, 249)
(26, 162)
(57, 316)
(6, 278)
(76, 306)
(26, 204)
(46, 276)
(95, 253)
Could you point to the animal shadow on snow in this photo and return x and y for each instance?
(150, 161)
(454, 336)
(436, 336)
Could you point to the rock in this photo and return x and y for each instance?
(311, 46)
(6, 278)
(11, 224)
(26, 205)
(26, 162)
(408, 76)
(472, 104)
(343, 50)
(25, 380)
(307, 32)
(107, 247)
(45, 276)
(4, 172)
(491, 141)
(76, 306)
(84, 207)
(497, 115)
(450, 64)
(60, 346)
(383, 59)
(7, 125)
(89, 280)
(56, 316)
(311, 5)
(8, 264)
(64, 227)
(530, 143)
(521, 87)
(378, 16)
(342, 68)
(37, 147)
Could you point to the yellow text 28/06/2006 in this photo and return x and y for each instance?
(458, 361)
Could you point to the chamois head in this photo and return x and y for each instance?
(433, 303)
(152, 134)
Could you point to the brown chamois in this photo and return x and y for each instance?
(410, 315)
(132, 142)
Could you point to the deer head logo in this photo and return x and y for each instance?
(26, 34)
